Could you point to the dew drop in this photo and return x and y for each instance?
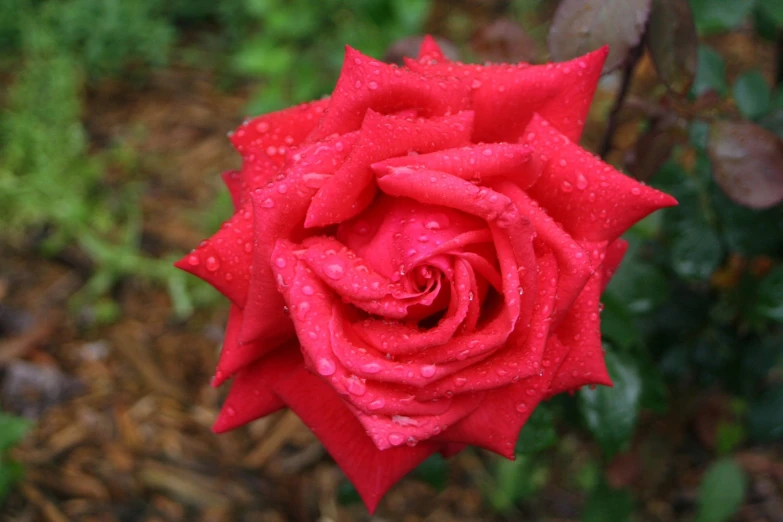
(212, 263)
(581, 181)
(356, 386)
(566, 187)
(334, 271)
(521, 407)
(308, 290)
(377, 404)
(428, 371)
(193, 260)
(302, 309)
(280, 262)
(325, 367)
(372, 367)
(395, 439)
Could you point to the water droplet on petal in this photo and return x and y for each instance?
(521, 407)
(428, 371)
(325, 367)
(308, 290)
(193, 260)
(356, 386)
(372, 367)
(377, 404)
(212, 263)
(395, 439)
(581, 181)
(334, 271)
(280, 262)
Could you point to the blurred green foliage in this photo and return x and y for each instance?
(12, 430)
(53, 185)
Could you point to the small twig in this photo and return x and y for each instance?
(614, 115)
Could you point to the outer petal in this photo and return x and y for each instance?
(505, 97)
(367, 84)
(279, 211)
(430, 51)
(224, 260)
(495, 425)
(371, 470)
(589, 198)
(267, 134)
(580, 332)
(252, 394)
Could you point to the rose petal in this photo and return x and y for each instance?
(402, 339)
(438, 188)
(252, 394)
(388, 432)
(365, 84)
(614, 256)
(285, 128)
(279, 209)
(235, 355)
(474, 163)
(591, 199)
(506, 410)
(371, 470)
(580, 332)
(358, 284)
(523, 352)
(224, 259)
(351, 189)
(430, 51)
(505, 97)
(233, 181)
(398, 232)
(574, 263)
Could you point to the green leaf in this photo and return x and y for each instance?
(10, 473)
(722, 491)
(714, 16)
(752, 94)
(538, 432)
(696, 252)
(710, 72)
(347, 494)
(617, 323)
(608, 504)
(773, 9)
(766, 416)
(610, 413)
(12, 430)
(515, 480)
(639, 287)
(769, 302)
(433, 471)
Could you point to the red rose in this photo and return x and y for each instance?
(416, 262)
